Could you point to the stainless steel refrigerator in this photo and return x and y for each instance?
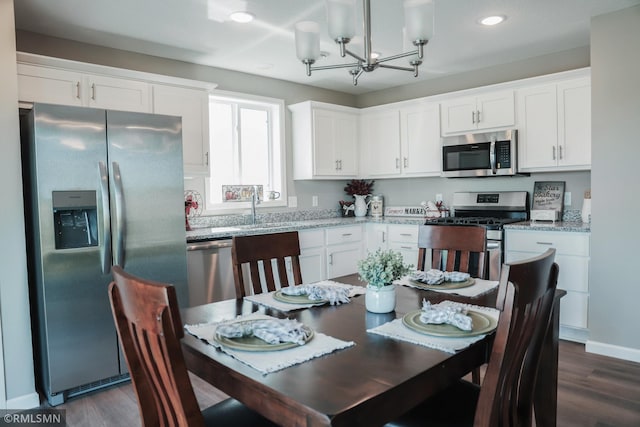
(102, 188)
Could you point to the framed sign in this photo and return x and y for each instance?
(548, 195)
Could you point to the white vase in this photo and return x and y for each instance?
(361, 204)
(380, 300)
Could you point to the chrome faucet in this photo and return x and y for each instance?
(255, 200)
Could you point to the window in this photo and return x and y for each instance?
(246, 147)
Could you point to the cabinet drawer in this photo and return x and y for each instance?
(311, 238)
(403, 234)
(339, 235)
(567, 243)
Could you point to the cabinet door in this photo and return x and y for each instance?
(346, 143)
(193, 106)
(574, 123)
(377, 237)
(380, 132)
(538, 127)
(312, 264)
(343, 259)
(420, 140)
(117, 94)
(312, 255)
(495, 110)
(49, 85)
(324, 156)
(458, 115)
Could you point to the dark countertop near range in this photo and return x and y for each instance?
(217, 233)
(571, 226)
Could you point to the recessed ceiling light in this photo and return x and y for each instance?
(492, 20)
(241, 17)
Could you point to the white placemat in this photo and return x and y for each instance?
(396, 329)
(480, 287)
(271, 361)
(267, 299)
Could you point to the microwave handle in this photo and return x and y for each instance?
(492, 155)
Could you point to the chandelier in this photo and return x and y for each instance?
(418, 16)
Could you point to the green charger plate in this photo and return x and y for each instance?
(295, 299)
(445, 285)
(251, 343)
(482, 324)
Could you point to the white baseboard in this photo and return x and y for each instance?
(625, 353)
(574, 334)
(27, 401)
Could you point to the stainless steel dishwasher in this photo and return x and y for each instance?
(210, 272)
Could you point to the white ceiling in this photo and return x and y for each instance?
(199, 31)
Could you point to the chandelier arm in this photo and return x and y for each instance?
(354, 55)
(400, 55)
(395, 67)
(331, 67)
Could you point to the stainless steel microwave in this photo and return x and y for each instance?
(480, 154)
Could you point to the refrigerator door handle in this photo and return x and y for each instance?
(105, 247)
(120, 216)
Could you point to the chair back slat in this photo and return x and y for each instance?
(259, 251)
(149, 328)
(526, 297)
(460, 243)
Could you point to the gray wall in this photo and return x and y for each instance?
(18, 382)
(614, 275)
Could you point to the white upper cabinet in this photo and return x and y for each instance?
(400, 141)
(380, 143)
(554, 126)
(193, 106)
(325, 141)
(420, 139)
(471, 113)
(59, 86)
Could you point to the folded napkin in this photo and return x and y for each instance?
(436, 277)
(272, 331)
(451, 315)
(335, 294)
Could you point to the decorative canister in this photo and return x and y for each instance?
(376, 206)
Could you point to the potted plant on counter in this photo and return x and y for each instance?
(359, 189)
(379, 269)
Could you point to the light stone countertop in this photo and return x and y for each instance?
(225, 232)
(571, 226)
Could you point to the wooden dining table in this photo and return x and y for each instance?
(368, 384)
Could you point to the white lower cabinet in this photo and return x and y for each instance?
(573, 257)
(344, 250)
(313, 258)
(399, 237)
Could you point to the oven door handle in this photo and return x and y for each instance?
(492, 155)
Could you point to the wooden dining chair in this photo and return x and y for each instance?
(149, 327)
(505, 399)
(465, 247)
(259, 250)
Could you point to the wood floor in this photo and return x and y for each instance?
(593, 391)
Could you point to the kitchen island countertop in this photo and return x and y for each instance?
(226, 232)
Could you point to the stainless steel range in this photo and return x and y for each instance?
(491, 210)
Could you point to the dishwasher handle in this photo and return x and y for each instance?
(210, 244)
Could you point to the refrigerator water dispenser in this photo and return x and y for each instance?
(75, 219)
